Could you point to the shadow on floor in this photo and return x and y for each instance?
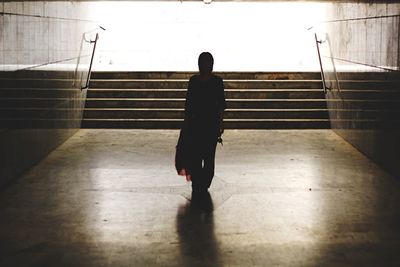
(195, 228)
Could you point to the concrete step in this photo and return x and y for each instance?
(51, 74)
(228, 124)
(238, 123)
(255, 100)
(183, 84)
(244, 75)
(242, 84)
(247, 93)
(373, 94)
(229, 93)
(179, 103)
(238, 103)
(225, 75)
(120, 113)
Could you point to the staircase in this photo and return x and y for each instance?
(155, 100)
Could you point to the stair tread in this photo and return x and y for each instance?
(229, 80)
(186, 80)
(225, 120)
(344, 90)
(181, 109)
(239, 100)
(182, 99)
(140, 102)
(228, 100)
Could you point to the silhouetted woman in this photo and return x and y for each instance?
(204, 108)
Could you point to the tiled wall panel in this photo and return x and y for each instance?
(363, 40)
(41, 101)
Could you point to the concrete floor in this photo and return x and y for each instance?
(281, 198)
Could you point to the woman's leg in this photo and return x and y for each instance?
(209, 162)
(196, 170)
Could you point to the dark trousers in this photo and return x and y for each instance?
(203, 162)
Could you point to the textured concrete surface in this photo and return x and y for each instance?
(39, 110)
(43, 33)
(281, 198)
(365, 35)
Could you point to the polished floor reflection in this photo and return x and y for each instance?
(279, 198)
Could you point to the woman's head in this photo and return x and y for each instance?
(206, 63)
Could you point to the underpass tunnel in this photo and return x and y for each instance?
(92, 101)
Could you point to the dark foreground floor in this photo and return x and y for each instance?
(281, 198)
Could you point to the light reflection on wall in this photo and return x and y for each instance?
(40, 109)
(242, 36)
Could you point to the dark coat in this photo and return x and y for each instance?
(205, 100)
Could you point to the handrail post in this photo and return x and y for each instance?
(320, 62)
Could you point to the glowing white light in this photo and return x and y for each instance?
(240, 35)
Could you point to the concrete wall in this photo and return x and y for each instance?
(362, 43)
(41, 100)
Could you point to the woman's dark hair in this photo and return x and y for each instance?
(206, 62)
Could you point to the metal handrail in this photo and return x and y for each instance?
(84, 39)
(318, 42)
(91, 62)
